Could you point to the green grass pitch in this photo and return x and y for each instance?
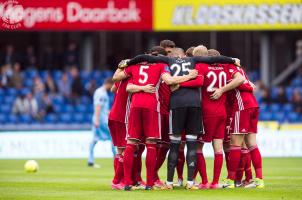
(72, 179)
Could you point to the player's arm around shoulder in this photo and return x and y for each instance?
(237, 80)
(173, 80)
(132, 88)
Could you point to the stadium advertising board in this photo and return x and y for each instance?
(76, 15)
(199, 15)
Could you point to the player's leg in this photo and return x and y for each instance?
(193, 129)
(218, 161)
(137, 169)
(93, 142)
(256, 160)
(201, 166)
(163, 148)
(251, 143)
(240, 169)
(248, 168)
(131, 148)
(133, 137)
(226, 150)
(181, 161)
(152, 132)
(177, 124)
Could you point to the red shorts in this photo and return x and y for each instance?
(245, 121)
(143, 123)
(227, 134)
(214, 128)
(165, 128)
(118, 133)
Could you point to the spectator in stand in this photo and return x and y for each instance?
(50, 86)
(71, 56)
(297, 101)
(45, 106)
(65, 86)
(77, 89)
(39, 87)
(265, 96)
(90, 87)
(16, 79)
(26, 104)
(9, 56)
(30, 58)
(5, 75)
(281, 97)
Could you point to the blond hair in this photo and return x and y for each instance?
(200, 50)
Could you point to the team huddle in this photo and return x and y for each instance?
(168, 99)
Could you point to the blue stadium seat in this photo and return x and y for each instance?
(58, 108)
(279, 116)
(50, 119)
(11, 92)
(274, 92)
(43, 74)
(9, 100)
(28, 83)
(59, 100)
(107, 74)
(31, 73)
(1, 99)
(97, 74)
(293, 117)
(275, 107)
(88, 118)
(12, 119)
(25, 119)
(288, 108)
(264, 107)
(5, 108)
(81, 108)
(67, 108)
(3, 118)
(289, 92)
(90, 108)
(65, 118)
(265, 116)
(297, 82)
(79, 117)
(56, 74)
(85, 100)
(2, 92)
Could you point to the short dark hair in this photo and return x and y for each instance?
(156, 50)
(167, 43)
(213, 52)
(189, 51)
(108, 81)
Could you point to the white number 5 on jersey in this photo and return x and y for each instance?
(144, 76)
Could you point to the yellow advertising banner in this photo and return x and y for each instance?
(207, 15)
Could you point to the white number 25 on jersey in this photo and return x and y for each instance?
(143, 74)
(221, 80)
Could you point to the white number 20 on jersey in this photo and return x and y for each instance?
(221, 80)
(143, 74)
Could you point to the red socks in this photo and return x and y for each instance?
(218, 161)
(256, 160)
(202, 168)
(234, 159)
(247, 167)
(119, 172)
(161, 157)
(128, 163)
(150, 163)
(180, 164)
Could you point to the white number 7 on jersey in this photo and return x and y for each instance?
(143, 73)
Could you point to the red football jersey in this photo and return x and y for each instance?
(118, 110)
(164, 98)
(215, 76)
(242, 99)
(145, 74)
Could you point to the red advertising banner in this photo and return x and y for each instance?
(76, 15)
